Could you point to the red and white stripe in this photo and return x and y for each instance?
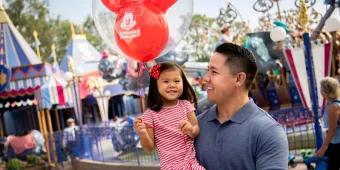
(176, 150)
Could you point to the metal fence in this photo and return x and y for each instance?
(119, 143)
(298, 123)
(104, 143)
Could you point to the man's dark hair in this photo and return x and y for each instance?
(239, 59)
(154, 99)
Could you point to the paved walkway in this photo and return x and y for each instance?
(300, 166)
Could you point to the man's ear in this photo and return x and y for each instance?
(241, 79)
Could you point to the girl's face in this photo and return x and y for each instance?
(170, 86)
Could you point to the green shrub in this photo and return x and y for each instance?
(14, 164)
(32, 160)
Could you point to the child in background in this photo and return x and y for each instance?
(170, 123)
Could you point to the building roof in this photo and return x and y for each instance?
(85, 57)
(14, 50)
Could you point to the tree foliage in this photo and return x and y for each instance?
(201, 38)
(92, 35)
(204, 34)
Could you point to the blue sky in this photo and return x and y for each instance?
(77, 10)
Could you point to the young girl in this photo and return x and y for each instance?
(330, 89)
(170, 123)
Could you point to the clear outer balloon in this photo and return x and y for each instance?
(142, 31)
(332, 24)
(278, 34)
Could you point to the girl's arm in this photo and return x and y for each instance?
(147, 140)
(333, 117)
(190, 126)
(146, 135)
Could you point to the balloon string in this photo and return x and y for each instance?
(141, 67)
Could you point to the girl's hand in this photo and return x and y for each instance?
(139, 126)
(185, 127)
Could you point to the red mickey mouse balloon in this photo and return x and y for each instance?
(141, 30)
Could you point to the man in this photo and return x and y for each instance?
(226, 37)
(69, 137)
(235, 133)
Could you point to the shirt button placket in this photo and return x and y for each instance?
(219, 140)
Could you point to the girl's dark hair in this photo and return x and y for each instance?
(154, 100)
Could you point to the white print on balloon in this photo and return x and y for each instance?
(128, 21)
(129, 34)
(127, 24)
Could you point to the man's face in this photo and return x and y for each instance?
(170, 85)
(220, 83)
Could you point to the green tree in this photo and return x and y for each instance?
(61, 36)
(29, 16)
(204, 34)
(201, 38)
(92, 34)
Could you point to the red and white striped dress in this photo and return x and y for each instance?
(176, 150)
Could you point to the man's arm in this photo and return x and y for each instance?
(272, 149)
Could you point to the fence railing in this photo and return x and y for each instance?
(103, 143)
(107, 143)
(298, 123)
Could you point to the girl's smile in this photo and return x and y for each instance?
(170, 86)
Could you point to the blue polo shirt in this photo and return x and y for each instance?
(251, 139)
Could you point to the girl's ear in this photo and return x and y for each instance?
(240, 79)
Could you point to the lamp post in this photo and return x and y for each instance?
(73, 77)
(310, 72)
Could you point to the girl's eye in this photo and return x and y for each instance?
(177, 81)
(165, 81)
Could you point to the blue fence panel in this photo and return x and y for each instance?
(298, 123)
(104, 143)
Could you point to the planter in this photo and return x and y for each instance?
(38, 167)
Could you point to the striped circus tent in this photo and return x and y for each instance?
(17, 55)
(30, 76)
(14, 50)
(84, 56)
(26, 81)
(54, 91)
(322, 56)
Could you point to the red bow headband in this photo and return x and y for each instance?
(155, 71)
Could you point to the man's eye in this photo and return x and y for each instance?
(213, 72)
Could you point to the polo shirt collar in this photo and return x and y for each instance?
(240, 115)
